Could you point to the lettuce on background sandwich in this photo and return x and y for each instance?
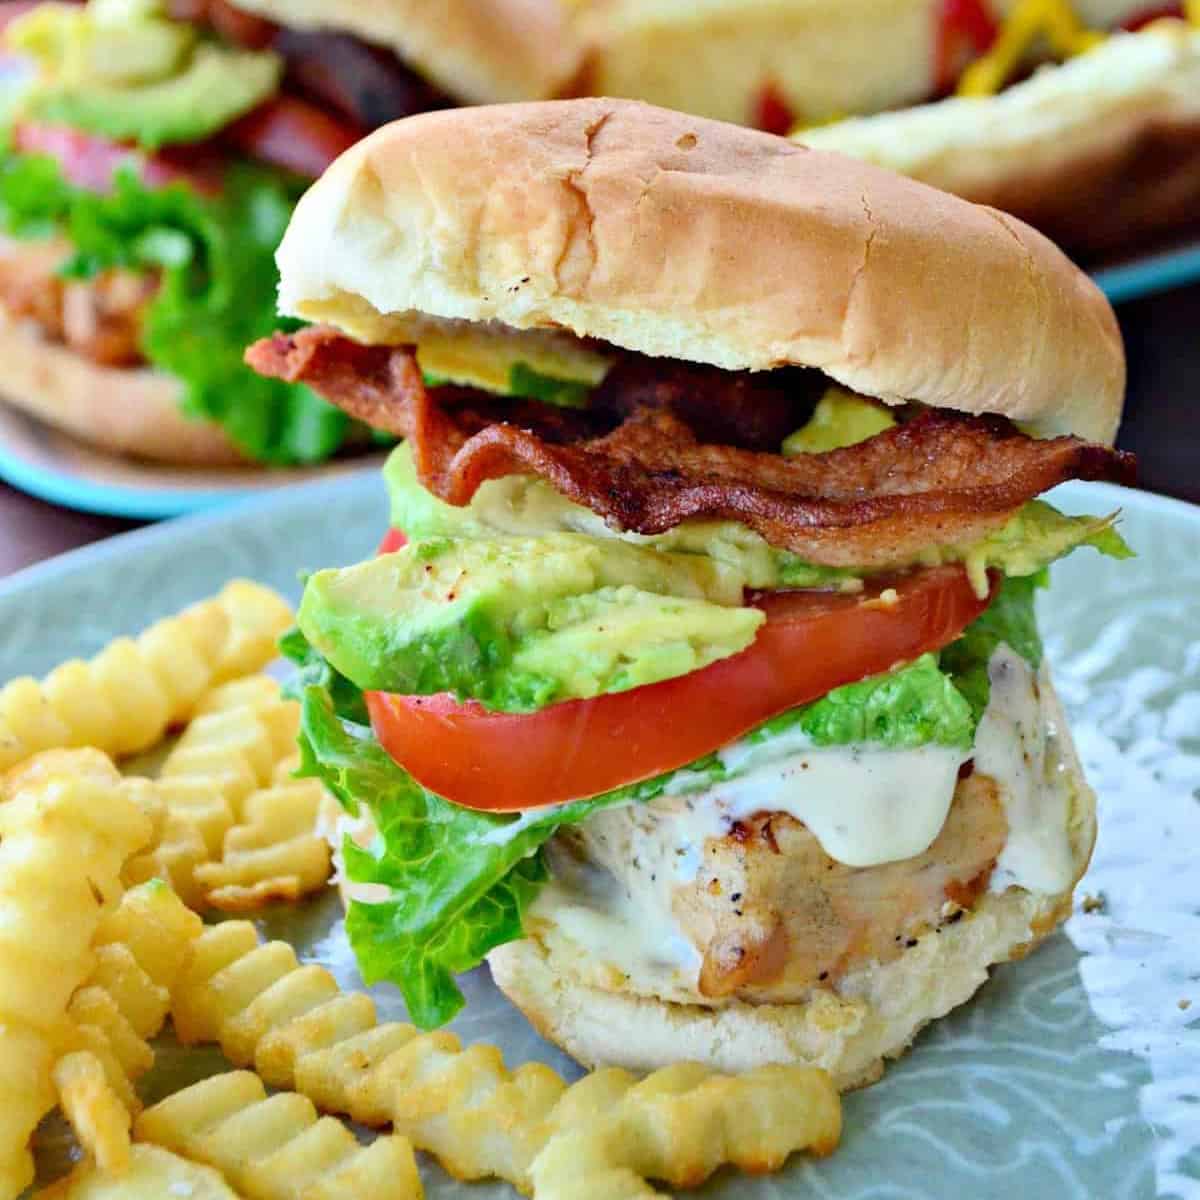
(154, 152)
(698, 684)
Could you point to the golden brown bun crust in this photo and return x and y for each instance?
(874, 1016)
(681, 237)
(478, 51)
(1099, 153)
(134, 412)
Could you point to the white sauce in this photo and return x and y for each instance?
(334, 824)
(1011, 745)
(865, 806)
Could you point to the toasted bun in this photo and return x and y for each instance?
(823, 57)
(1097, 153)
(874, 1016)
(478, 51)
(131, 412)
(681, 237)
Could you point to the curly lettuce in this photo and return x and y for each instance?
(215, 259)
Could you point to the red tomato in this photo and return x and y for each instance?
(89, 161)
(293, 134)
(771, 111)
(960, 23)
(811, 643)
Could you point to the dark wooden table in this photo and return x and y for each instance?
(1162, 424)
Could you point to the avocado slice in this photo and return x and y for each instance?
(518, 623)
(217, 86)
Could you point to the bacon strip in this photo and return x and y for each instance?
(939, 478)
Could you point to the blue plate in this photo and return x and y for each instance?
(1149, 274)
(1072, 1075)
(55, 467)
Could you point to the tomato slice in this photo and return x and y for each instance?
(811, 643)
(293, 134)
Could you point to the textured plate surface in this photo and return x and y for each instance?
(1072, 1075)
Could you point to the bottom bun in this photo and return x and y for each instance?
(129, 411)
(874, 1015)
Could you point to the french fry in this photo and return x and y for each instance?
(141, 947)
(124, 700)
(258, 618)
(576, 1166)
(464, 1106)
(229, 751)
(277, 1148)
(63, 841)
(275, 854)
(100, 1120)
(153, 1174)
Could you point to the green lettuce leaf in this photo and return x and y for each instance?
(313, 669)
(918, 705)
(1009, 618)
(217, 292)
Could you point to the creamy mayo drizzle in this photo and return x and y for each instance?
(1013, 745)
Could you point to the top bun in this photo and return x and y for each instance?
(478, 51)
(676, 236)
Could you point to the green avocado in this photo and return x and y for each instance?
(518, 623)
(122, 69)
(217, 86)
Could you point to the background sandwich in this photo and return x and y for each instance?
(1100, 153)
(154, 153)
(698, 684)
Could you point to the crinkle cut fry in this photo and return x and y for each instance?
(153, 1174)
(125, 698)
(277, 1148)
(939, 478)
(293, 1024)
(225, 842)
(63, 841)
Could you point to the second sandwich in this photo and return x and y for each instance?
(698, 682)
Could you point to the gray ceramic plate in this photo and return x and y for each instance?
(1073, 1074)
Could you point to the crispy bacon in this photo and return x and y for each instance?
(940, 477)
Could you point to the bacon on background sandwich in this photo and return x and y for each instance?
(1101, 152)
(154, 152)
(698, 683)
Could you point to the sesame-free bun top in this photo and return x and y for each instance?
(478, 51)
(676, 236)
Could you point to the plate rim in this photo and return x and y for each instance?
(245, 505)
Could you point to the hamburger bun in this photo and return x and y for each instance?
(478, 51)
(130, 411)
(1121, 122)
(824, 57)
(680, 237)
